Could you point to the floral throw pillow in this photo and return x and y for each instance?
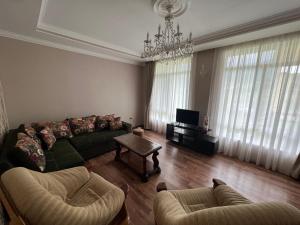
(101, 123)
(31, 132)
(109, 118)
(116, 124)
(48, 137)
(61, 129)
(83, 125)
(32, 150)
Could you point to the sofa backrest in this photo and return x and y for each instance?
(6, 158)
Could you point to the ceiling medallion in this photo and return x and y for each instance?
(168, 42)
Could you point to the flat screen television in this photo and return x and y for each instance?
(187, 116)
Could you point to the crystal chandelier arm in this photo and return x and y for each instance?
(168, 42)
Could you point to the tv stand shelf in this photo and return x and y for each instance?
(192, 136)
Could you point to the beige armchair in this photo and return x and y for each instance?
(220, 205)
(73, 196)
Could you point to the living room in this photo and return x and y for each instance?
(166, 112)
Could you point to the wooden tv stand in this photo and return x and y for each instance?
(193, 137)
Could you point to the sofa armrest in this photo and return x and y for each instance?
(5, 165)
(127, 126)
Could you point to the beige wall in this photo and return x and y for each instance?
(204, 65)
(43, 83)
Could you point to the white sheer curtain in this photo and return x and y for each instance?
(255, 102)
(172, 80)
(3, 116)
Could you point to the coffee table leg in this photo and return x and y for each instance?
(145, 175)
(156, 167)
(118, 153)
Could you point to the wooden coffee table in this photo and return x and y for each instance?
(142, 148)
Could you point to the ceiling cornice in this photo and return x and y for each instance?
(74, 36)
(107, 48)
(270, 21)
(8, 34)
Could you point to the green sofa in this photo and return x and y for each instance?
(65, 153)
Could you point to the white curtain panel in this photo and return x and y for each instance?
(255, 102)
(171, 90)
(3, 116)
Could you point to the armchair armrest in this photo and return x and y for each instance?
(127, 126)
(217, 182)
(274, 213)
(162, 186)
(125, 188)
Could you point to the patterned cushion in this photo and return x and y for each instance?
(60, 129)
(32, 149)
(83, 125)
(101, 123)
(116, 124)
(31, 132)
(38, 126)
(48, 137)
(109, 118)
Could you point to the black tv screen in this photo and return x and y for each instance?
(187, 116)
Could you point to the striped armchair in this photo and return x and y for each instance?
(72, 196)
(220, 205)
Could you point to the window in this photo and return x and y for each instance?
(170, 91)
(256, 106)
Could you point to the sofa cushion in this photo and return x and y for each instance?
(29, 153)
(48, 137)
(90, 140)
(116, 124)
(101, 123)
(109, 117)
(62, 155)
(31, 132)
(60, 129)
(83, 125)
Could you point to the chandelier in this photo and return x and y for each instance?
(168, 42)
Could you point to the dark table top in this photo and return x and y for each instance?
(137, 144)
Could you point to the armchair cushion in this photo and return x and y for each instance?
(219, 206)
(72, 196)
(195, 198)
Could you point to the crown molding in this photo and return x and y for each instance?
(25, 38)
(74, 36)
(270, 21)
(108, 48)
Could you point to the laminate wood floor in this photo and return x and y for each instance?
(182, 168)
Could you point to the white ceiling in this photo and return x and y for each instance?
(116, 28)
